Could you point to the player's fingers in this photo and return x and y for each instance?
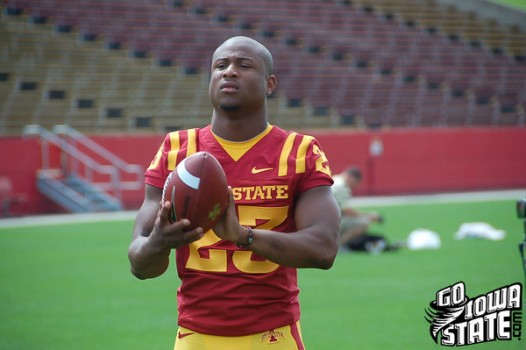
(164, 219)
(192, 235)
(164, 215)
(231, 208)
(177, 234)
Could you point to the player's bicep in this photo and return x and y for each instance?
(318, 212)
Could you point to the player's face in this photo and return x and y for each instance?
(239, 77)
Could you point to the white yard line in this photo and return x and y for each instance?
(42, 220)
(512, 195)
(441, 198)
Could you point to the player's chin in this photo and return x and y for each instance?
(230, 107)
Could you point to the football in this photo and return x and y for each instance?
(197, 190)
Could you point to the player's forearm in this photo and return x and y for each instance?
(297, 249)
(147, 261)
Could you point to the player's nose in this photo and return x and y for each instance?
(230, 71)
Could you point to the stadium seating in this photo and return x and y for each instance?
(143, 65)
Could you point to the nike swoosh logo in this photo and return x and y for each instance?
(257, 171)
(182, 335)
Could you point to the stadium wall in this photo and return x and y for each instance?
(431, 160)
(397, 161)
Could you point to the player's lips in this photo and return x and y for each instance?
(229, 87)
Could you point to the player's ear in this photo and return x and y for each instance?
(271, 84)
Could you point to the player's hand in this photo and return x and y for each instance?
(228, 227)
(173, 235)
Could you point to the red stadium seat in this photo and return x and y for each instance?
(382, 59)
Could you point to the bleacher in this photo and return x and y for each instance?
(143, 65)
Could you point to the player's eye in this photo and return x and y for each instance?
(245, 64)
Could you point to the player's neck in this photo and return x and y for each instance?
(238, 129)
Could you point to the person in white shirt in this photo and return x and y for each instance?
(355, 224)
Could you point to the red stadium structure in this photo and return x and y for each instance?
(440, 89)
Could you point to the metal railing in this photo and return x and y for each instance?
(73, 160)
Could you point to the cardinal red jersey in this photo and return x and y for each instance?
(226, 290)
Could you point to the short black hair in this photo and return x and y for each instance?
(355, 172)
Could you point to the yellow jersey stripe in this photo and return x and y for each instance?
(191, 147)
(157, 158)
(175, 145)
(284, 156)
(301, 155)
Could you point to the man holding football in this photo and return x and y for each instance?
(239, 280)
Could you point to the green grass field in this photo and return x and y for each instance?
(520, 4)
(69, 287)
